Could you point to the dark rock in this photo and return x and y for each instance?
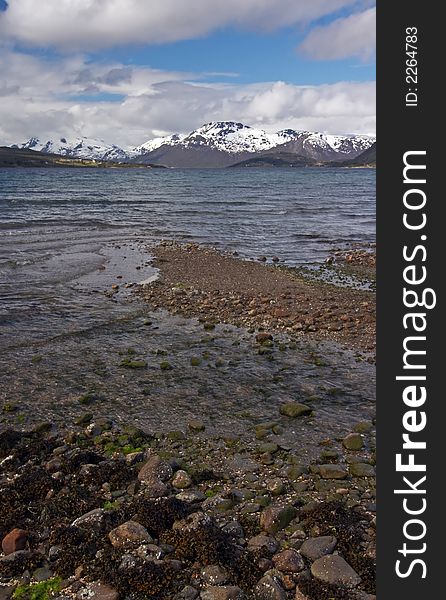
(269, 589)
(93, 518)
(295, 409)
(331, 471)
(229, 592)
(214, 575)
(263, 543)
(353, 441)
(155, 469)
(275, 518)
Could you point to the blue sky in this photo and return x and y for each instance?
(91, 68)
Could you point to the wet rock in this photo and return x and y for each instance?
(196, 425)
(333, 569)
(363, 427)
(362, 470)
(353, 441)
(269, 589)
(155, 469)
(317, 547)
(234, 529)
(263, 543)
(289, 561)
(295, 410)
(98, 591)
(93, 518)
(275, 486)
(214, 575)
(332, 471)
(129, 535)
(181, 480)
(275, 518)
(15, 540)
(228, 592)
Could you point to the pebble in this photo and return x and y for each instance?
(263, 542)
(362, 470)
(94, 517)
(333, 569)
(316, 547)
(353, 441)
(98, 591)
(15, 540)
(229, 592)
(214, 575)
(155, 469)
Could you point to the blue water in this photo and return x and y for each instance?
(59, 228)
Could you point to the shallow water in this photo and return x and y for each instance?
(67, 236)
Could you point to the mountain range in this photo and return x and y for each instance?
(216, 144)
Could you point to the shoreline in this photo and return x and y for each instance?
(204, 283)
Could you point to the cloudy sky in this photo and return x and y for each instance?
(128, 70)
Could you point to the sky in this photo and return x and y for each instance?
(126, 71)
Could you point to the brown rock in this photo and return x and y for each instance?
(289, 561)
(14, 540)
(276, 518)
(129, 535)
(317, 547)
(331, 471)
(263, 542)
(269, 589)
(228, 592)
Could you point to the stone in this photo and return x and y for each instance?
(353, 441)
(269, 589)
(155, 468)
(191, 496)
(263, 337)
(129, 535)
(181, 480)
(15, 540)
(196, 425)
(263, 543)
(92, 518)
(362, 470)
(193, 522)
(98, 591)
(334, 570)
(214, 575)
(155, 489)
(289, 561)
(275, 486)
(317, 547)
(187, 593)
(228, 592)
(234, 529)
(275, 518)
(295, 409)
(331, 471)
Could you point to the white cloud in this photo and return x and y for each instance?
(43, 98)
(93, 24)
(350, 36)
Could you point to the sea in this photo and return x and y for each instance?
(68, 235)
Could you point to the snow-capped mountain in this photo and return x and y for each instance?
(77, 148)
(216, 144)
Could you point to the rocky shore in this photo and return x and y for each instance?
(100, 512)
(216, 287)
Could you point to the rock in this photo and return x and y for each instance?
(6, 592)
(15, 540)
(193, 522)
(92, 518)
(362, 470)
(333, 569)
(155, 489)
(187, 593)
(155, 468)
(228, 592)
(196, 425)
(214, 575)
(129, 535)
(331, 471)
(191, 496)
(353, 441)
(239, 465)
(263, 542)
(289, 561)
(363, 427)
(181, 480)
(295, 409)
(42, 574)
(234, 529)
(300, 595)
(263, 337)
(269, 589)
(98, 591)
(275, 518)
(275, 486)
(317, 547)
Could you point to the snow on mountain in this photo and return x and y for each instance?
(228, 138)
(77, 148)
